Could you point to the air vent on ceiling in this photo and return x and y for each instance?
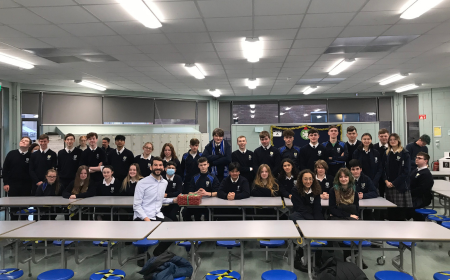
(368, 44)
(68, 55)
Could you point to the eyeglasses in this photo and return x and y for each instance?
(148, 148)
(51, 177)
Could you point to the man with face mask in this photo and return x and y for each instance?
(174, 188)
(149, 197)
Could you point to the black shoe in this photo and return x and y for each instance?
(364, 265)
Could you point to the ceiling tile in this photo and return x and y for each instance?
(230, 36)
(8, 4)
(7, 32)
(146, 40)
(106, 41)
(64, 42)
(364, 31)
(410, 29)
(183, 25)
(41, 30)
(342, 6)
(277, 22)
(112, 12)
(25, 42)
(327, 20)
(276, 34)
(87, 29)
(181, 38)
(69, 14)
(313, 43)
(229, 24)
(178, 10)
(229, 8)
(375, 18)
(324, 32)
(19, 16)
(280, 7)
(131, 28)
(384, 5)
(44, 3)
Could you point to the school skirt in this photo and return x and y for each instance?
(398, 198)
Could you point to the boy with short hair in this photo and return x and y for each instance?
(419, 146)
(94, 158)
(289, 150)
(68, 160)
(266, 154)
(120, 159)
(189, 164)
(421, 184)
(204, 184)
(218, 153)
(234, 186)
(364, 186)
(353, 143)
(381, 147)
(105, 145)
(245, 159)
(312, 152)
(336, 150)
(40, 162)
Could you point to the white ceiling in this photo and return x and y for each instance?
(295, 34)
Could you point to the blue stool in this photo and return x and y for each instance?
(145, 243)
(392, 275)
(56, 274)
(319, 243)
(271, 244)
(180, 278)
(425, 211)
(213, 275)
(110, 274)
(186, 244)
(278, 274)
(446, 225)
(229, 244)
(104, 243)
(364, 243)
(66, 243)
(442, 275)
(27, 211)
(10, 273)
(438, 218)
(397, 244)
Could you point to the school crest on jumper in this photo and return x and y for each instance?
(75, 157)
(124, 159)
(295, 182)
(363, 186)
(174, 185)
(295, 155)
(112, 189)
(403, 163)
(327, 184)
(27, 160)
(238, 188)
(97, 156)
(398, 158)
(311, 199)
(49, 157)
(149, 165)
(417, 175)
(339, 150)
(207, 183)
(271, 153)
(249, 157)
(319, 153)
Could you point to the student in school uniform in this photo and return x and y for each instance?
(83, 143)
(245, 159)
(33, 148)
(109, 187)
(145, 159)
(40, 162)
(218, 153)
(421, 184)
(381, 147)
(306, 198)
(128, 188)
(68, 160)
(168, 154)
(105, 145)
(204, 184)
(266, 154)
(312, 152)
(148, 201)
(325, 180)
(235, 186)
(120, 159)
(94, 157)
(16, 174)
(363, 184)
(50, 187)
(81, 187)
(189, 164)
(396, 176)
(289, 150)
(353, 143)
(336, 150)
(174, 188)
(288, 177)
(369, 158)
(419, 146)
(265, 185)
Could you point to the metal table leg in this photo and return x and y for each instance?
(109, 254)
(194, 265)
(308, 257)
(360, 255)
(291, 255)
(2, 248)
(63, 242)
(278, 214)
(243, 213)
(242, 259)
(16, 253)
(413, 259)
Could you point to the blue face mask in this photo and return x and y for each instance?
(170, 172)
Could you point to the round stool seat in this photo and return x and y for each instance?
(30, 242)
(446, 225)
(103, 243)
(438, 218)
(397, 244)
(228, 243)
(145, 243)
(26, 211)
(272, 243)
(56, 274)
(319, 243)
(108, 274)
(213, 275)
(180, 278)
(442, 275)
(392, 275)
(364, 243)
(424, 211)
(278, 274)
(58, 242)
(10, 273)
(186, 245)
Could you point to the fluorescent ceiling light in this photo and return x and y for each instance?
(252, 116)
(234, 115)
(407, 87)
(141, 12)
(15, 61)
(276, 116)
(310, 89)
(288, 108)
(215, 92)
(252, 49)
(282, 113)
(393, 78)
(252, 83)
(341, 66)
(252, 111)
(371, 113)
(90, 85)
(415, 9)
(317, 110)
(305, 115)
(194, 70)
(252, 106)
(319, 117)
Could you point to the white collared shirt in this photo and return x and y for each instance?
(167, 160)
(22, 153)
(93, 149)
(46, 150)
(193, 155)
(366, 151)
(149, 157)
(356, 179)
(322, 179)
(266, 148)
(170, 179)
(71, 150)
(385, 145)
(289, 178)
(352, 144)
(112, 181)
(309, 191)
(422, 168)
(234, 181)
(149, 198)
(314, 146)
(243, 152)
(121, 151)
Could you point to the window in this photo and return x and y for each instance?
(175, 112)
(255, 113)
(29, 116)
(30, 129)
(303, 111)
(344, 117)
(353, 110)
(174, 121)
(385, 113)
(225, 120)
(412, 118)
